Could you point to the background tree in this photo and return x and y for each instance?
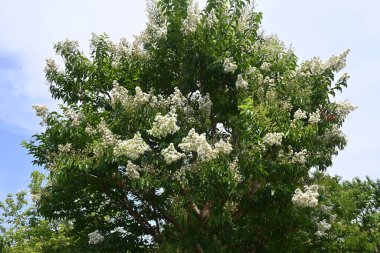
(353, 208)
(22, 229)
(198, 136)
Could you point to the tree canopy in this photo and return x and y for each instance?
(204, 134)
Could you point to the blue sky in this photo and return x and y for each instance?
(313, 28)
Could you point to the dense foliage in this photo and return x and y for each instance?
(199, 136)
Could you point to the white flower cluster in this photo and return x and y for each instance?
(171, 155)
(180, 175)
(317, 66)
(108, 138)
(234, 168)
(299, 114)
(141, 97)
(132, 148)
(322, 226)
(229, 65)
(211, 19)
(157, 25)
(241, 83)
(273, 139)
(198, 143)
(133, 170)
(192, 20)
(90, 130)
(223, 147)
(265, 66)
(67, 45)
(230, 207)
(51, 66)
(164, 125)
(309, 198)
(41, 111)
(119, 94)
(338, 62)
(344, 108)
(66, 148)
(73, 116)
(314, 117)
(95, 237)
(176, 99)
(334, 133)
(300, 157)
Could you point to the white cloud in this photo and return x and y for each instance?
(30, 28)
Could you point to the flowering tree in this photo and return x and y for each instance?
(198, 136)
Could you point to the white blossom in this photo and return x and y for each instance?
(223, 147)
(189, 25)
(344, 108)
(41, 111)
(157, 25)
(108, 138)
(309, 198)
(51, 66)
(198, 143)
(314, 117)
(322, 226)
(171, 155)
(204, 149)
(73, 117)
(64, 148)
(234, 168)
(90, 130)
(132, 148)
(300, 157)
(241, 83)
(180, 175)
(164, 125)
(230, 207)
(299, 114)
(338, 62)
(265, 66)
(333, 133)
(176, 99)
(273, 139)
(269, 81)
(67, 45)
(119, 94)
(229, 65)
(132, 170)
(189, 143)
(195, 142)
(211, 19)
(95, 237)
(141, 97)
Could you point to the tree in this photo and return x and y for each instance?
(198, 136)
(22, 229)
(353, 209)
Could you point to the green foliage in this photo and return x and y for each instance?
(22, 229)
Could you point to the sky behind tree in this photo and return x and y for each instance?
(313, 28)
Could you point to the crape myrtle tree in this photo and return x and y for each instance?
(197, 137)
